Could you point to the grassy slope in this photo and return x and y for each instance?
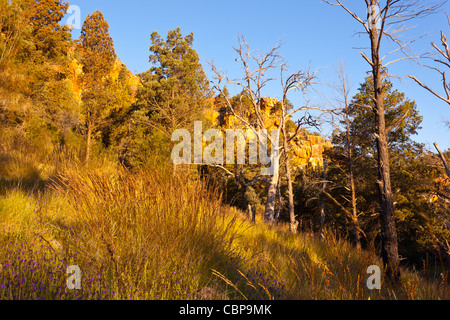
(159, 235)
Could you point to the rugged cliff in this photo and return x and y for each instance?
(307, 148)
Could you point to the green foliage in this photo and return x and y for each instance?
(51, 39)
(98, 57)
(170, 247)
(174, 94)
(251, 197)
(421, 223)
(421, 226)
(175, 89)
(102, 97)
(176, 64)
(396, 105)
(13, 24)
(98, 54)
(152, 233)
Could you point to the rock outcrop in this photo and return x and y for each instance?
(307, 148)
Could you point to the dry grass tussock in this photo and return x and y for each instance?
(155, 234)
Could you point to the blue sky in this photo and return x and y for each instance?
(312, 33)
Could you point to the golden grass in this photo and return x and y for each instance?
(156, 234)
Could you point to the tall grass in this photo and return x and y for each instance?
(159, 234)
(145, 235)
(148, 226)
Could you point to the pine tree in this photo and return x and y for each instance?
(98, 54)
(98, 58)
(50, 37)
(412, 178)
(402, 117)
(175, 89)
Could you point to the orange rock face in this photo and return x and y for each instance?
(307, 149)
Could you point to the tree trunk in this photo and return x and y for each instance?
(269, 213)
(88, 143)
(444, 161)
(355, 212)
(388, 228)
(353, 189)
(322, 201)
(251, 213)
(292, 217)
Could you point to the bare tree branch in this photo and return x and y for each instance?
(430, 90)
(255, 77)
(444, 161)
(398, 121)
(444, 60)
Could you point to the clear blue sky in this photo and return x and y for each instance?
(312, 33)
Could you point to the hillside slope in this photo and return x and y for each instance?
(159, 235)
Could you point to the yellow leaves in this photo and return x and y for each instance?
(212, 116)
(434, 198)
(442, 183)
(327, 145)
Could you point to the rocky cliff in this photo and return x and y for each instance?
(307, 148)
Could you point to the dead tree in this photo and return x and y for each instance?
(442, 59)
(257, 69)
(385, 21)
(322, 200)
(444, 161)
(342, 110)
(297, 81)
